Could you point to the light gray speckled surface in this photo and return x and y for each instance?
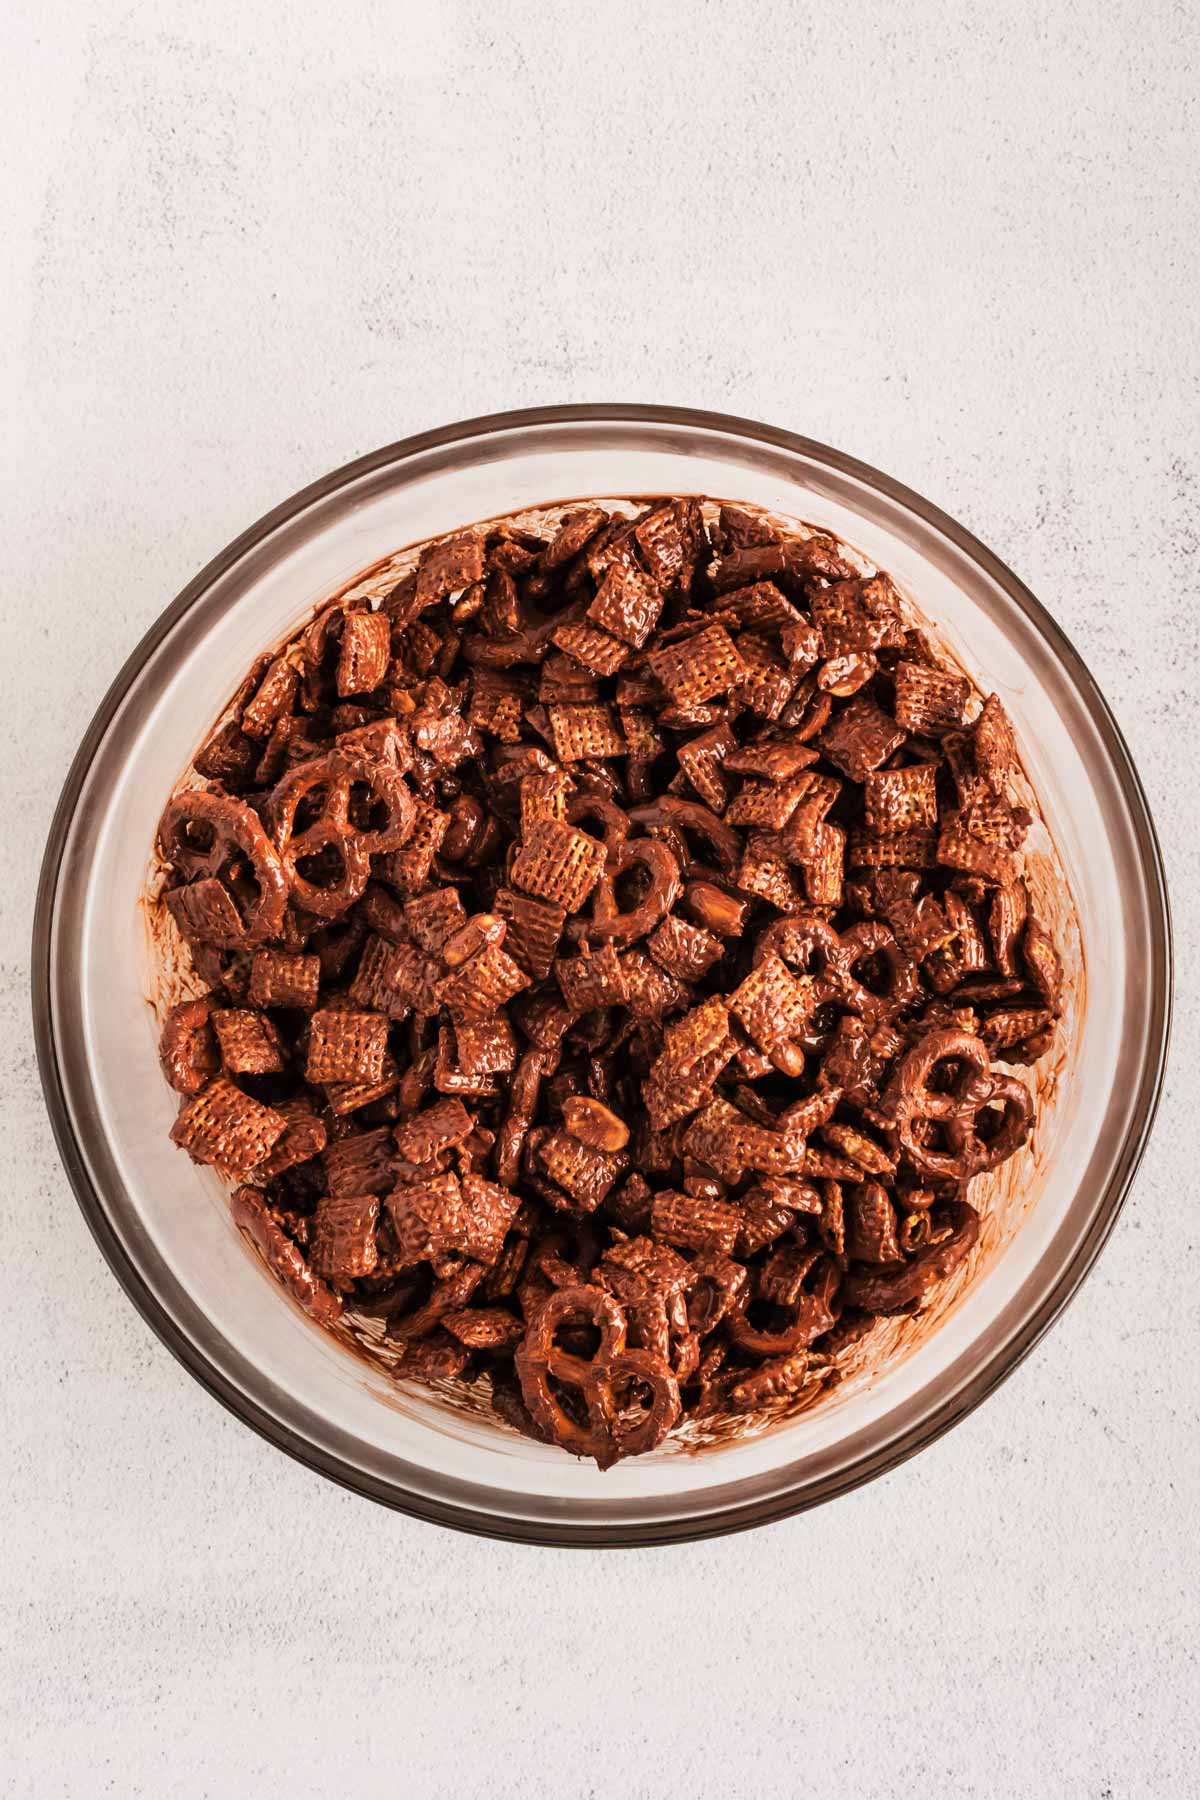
(244, 244)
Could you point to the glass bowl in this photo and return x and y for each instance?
(163, 1223)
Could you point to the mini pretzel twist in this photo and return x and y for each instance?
(601, 1380)
(810, 945)
(328, 782)
(872, 938)
(213, 836)
(958, 1110)
(608, 924)
(609, 938)
(898, 1290)
(677, 816)
(812, 1314)
(613, 821)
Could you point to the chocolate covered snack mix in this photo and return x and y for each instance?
(617, 960)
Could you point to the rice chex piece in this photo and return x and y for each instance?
(487, 1212)
(346, 1046)
(366, 651)
(929, 699)
(774, 758)
(345, 1097)
(1043, 963)
(1007, 913)
(692, 1223)
(419, 1139)
(251, 1212)
(919, 927)
(901, 799)
(738, 528)
(579, 1170)
(427, 1217)
(363, 1163)
(616, 545)
(766, 874)
(486, 1046)
(383, 740)
(343, 1247)
(994, 745)
(575, 532)
(223, 1126)
(772, 802)
(388, 976)
(895, 850)
(278, 978)
(774, 1379)
(228, 756)
(684, 950)
(768, 684)
(250, 1043)
(731, 1143)
(446, 737)
(824, 866)
(701, 757)
(773, 1007)
(670, 538)
(958, 849)
(479, 987)
(598, 651)
(534, 930)
(434, 917)
(304, 1137)
(506, 1271)
(803, 646)
(860, 738)
(694, 1051)
(640, 1270)
(798, 837)
(786, 1190)
(496, 703)
(276, 692)
(419, 648)
(565, 679)
(759, 605)
(969, 949)
(690, 1041)
(992, 818)
(874, 598)
(432, 1359)
(652, 992)
(859, 1149)
(763, 1221)
(544, 795)
(555, 862)
(592, 979)
(446, 568)
(204, 912)
(409, 868)
(699, 667)
(585, 732)
(484, 1327)
(1007, 1027)
(627, 605)
(449, 1074)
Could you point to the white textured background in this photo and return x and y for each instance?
(243, 243)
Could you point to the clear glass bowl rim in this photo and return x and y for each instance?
(188, 1348)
